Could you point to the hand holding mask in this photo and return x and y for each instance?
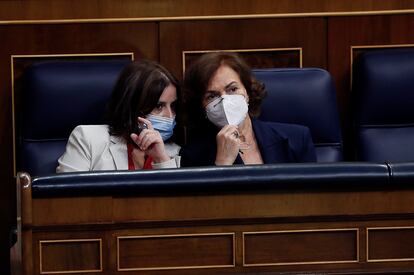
(228, 112)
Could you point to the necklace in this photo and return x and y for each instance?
(244, 145)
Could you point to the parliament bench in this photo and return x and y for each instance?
(321, 217)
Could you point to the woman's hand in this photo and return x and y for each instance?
(150, 141)
(227, 145)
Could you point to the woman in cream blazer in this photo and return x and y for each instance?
(141, 119)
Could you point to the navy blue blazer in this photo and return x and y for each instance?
(278, 143)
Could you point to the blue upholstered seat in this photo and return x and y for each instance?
(383, 90)
(56, 97)
(307, 97)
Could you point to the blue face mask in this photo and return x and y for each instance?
(164, 125)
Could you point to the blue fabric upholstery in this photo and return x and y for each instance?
(56, 97)
(383, 85)
(307, 97)
(339, 176)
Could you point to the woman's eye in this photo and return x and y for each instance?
(158, 108)
(233, 89)
(210, 97)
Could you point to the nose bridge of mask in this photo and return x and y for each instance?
(164, 125)
(161, 119)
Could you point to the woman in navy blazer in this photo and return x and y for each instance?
(222, 100)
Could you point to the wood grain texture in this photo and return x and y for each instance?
(163, 252)
(70, 255)
(176, 37)
(259, 58)
(78, 9)
(72, 210)
(302, 206)
(391, 244)
(301, 247)
(166, 245)
(280, 205)
(57, 251)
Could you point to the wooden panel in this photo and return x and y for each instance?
(170, 241)
(306, 33)
(57, 256)
(68, 9)
(72, 210)
(258, 58)
(390, 244)
(251, 205)
(300, 247)
(175, 251)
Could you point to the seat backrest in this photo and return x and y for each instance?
(383, 92)
(56, 96)
(304, 96)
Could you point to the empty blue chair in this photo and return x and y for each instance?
(383, 91)
(56, 96)
(304, 96)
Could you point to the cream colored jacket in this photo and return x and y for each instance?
(91, 148)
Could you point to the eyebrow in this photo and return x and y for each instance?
(163, 103)
(159, 101)
(225, 88)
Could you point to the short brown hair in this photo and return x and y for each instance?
(197, 78)
(136, 93)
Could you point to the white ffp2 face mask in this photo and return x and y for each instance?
(227, 110)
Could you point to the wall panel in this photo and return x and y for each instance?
(306, 33)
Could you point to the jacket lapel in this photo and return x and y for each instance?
(273, 147)
(119, 152)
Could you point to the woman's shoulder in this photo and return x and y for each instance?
(91, 134)
(88, 130)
